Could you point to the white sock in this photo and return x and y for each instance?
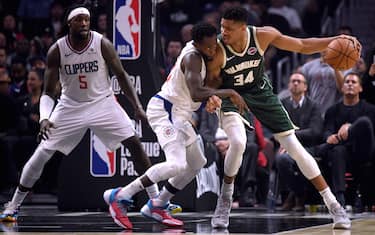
(328, 197)
(227, 190)
(152, 191)
(18, 197)
(165, 196)
(129, 190)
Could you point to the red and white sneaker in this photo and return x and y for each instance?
(160, 214)
(118, 208)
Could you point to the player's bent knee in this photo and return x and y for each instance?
(164, 170)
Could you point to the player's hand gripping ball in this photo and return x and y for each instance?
(342, 53)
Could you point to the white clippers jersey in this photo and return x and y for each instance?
(175, 88)
(83, 74)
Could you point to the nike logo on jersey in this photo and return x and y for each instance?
(68, 54)
(229, 58)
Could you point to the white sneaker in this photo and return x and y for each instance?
(220, 219)
(340, 218)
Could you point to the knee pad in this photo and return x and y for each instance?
(194, 155)
(34, 167)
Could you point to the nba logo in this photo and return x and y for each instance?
(127, 28)
(102, 160)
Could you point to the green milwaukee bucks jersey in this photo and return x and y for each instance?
(244, 72)
(245, 69)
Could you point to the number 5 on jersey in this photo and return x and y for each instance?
(82, 82)
(240, 81)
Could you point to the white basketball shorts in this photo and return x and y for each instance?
(169, 122)
(105, 117)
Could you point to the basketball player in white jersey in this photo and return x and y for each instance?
(168, 113)
(80, 61)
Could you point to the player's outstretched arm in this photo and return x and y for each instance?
(114, 63)
(270, 36)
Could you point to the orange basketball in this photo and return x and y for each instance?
(342, 53)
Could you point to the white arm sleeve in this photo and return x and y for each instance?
(46, 105)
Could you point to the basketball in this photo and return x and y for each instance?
(342, 53)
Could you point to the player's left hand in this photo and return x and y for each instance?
(45, 130)
(140, 114)
(213, 103)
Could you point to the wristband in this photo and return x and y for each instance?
(46, 105)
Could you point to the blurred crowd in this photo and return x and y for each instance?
(314, 96)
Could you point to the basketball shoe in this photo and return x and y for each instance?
(160, 214)
(10, 213)
(118, 208)
(340, 218)
(220, 219)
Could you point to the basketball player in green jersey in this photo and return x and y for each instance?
(239, 64)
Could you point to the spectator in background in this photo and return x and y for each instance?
(18, 76)
(22, 50)
(56, 17)
(47, 38)
(173, 50)
(101, 26)
(3, 56)
(368, 83)
(312, 17)
(29, 103)
(34, 16)
(324, 83)
(349, 135)
(38, 62)
(360, 68)
(3, 41)
(175, 14)
(185, 33)
(36, 51)
(279, 7)
(10, 31)
(212, 18)
(8, 123)
(306, 115)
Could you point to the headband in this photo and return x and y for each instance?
(78, 11)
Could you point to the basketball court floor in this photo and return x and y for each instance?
(48, 220)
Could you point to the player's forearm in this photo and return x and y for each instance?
(203, 93)
(315, 45)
